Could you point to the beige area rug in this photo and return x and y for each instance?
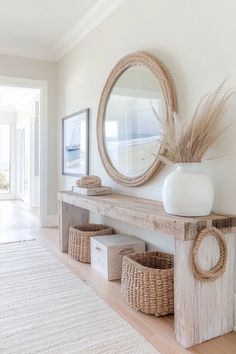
(44, 308)
(18, 235)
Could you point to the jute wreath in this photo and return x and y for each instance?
(220, 266)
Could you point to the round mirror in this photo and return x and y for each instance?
(137, 94)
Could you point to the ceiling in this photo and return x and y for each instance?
(47, 29)
(12, 99)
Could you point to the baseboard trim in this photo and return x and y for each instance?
(234, 312)
(51, 220)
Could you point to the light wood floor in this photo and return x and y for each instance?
(17, 221)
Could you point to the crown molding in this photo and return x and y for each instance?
(32, 53)
(83, 27)
(79, 31)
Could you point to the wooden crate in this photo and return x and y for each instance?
(107, 253)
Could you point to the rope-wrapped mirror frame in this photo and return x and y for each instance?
(219, 267)
(158, 69)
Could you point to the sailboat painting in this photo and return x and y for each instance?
(75, 144)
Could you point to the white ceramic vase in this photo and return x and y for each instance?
(187, 191)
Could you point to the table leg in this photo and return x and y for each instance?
(203, 310)
(69, 215)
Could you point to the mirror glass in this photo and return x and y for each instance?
(132, 131)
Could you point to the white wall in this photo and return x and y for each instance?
(195, 40)
(40, 70)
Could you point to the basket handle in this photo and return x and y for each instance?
(126, 251)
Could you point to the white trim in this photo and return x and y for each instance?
(43, 87)
(85, 25)
(20, 159)
(43, 161)
(13, 159)
(234, 312)
(52, 221)
(24, 52)
(81, 29)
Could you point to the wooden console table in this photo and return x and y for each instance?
(202, 310)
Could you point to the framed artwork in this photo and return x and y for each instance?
(75, 147)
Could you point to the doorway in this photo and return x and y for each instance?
(23, 147)
(19, 145)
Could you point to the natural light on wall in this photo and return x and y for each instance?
(5, 138)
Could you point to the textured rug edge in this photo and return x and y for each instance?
(17, 241)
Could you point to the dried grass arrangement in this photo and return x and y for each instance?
(186, 141)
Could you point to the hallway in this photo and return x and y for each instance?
(18, 221)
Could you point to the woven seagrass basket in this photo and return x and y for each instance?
(147, 282)
(79, 240)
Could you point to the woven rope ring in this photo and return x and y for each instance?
(219, 267)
